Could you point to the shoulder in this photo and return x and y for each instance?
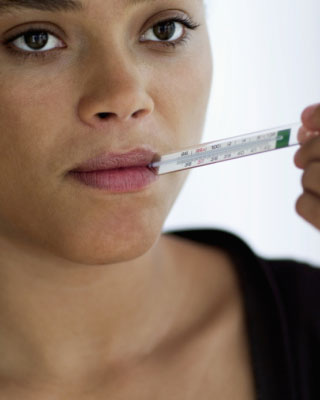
(298, 287)
(295, 278)
(294, 286)
(291, 276)
(282, 299)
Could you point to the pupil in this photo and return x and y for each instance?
(165, 30)
(36, 40)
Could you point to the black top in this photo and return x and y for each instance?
(282, 302)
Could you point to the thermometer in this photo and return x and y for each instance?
(228, 149)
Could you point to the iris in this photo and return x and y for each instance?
(165, 30)
(36, 39)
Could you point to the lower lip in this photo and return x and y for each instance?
(122, 180)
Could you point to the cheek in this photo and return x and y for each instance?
(33, 118)
(29, 108)
(183, 96)
(28, 127)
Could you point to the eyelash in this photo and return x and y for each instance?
(32, 54)
(186, 21)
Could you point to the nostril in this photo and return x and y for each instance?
(108, 115)
(140, 113)
(104, 115)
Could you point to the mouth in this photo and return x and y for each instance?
(118, 173)
(107, 161)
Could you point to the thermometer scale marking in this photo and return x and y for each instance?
(228, 149)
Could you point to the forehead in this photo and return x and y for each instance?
(60, 5)
(64, 5)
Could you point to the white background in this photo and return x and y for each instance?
(266, 71)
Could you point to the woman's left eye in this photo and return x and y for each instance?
(169, 32)
(36, 41)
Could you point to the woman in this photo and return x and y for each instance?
(95, 303)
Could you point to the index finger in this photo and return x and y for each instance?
(311, 117)
(305, 134)
(308, 152)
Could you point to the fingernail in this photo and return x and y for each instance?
(311, 134)
(308, 112)
(305, 134)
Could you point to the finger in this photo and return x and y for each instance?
(305, 134)
(308, 207)
(311, 117)
(308, 152)
(311, 179)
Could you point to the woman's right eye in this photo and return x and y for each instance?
(35, 41)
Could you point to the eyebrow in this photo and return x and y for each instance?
(42, 5)
(54, 5)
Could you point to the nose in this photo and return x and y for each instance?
(114, 90)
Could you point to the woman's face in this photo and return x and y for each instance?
(120, 57)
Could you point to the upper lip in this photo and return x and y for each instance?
(134, 158)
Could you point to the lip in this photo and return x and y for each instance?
(107, 161)
(118, 173)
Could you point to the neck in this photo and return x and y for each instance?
(68, 323)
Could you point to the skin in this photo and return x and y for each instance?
(307, 158)
(90, 266)
(88, 286)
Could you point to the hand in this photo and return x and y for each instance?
(308, 159)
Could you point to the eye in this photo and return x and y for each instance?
(169, 31)
(36, 41)
(165, 31)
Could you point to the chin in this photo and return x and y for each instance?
(107, 243)
(117, 250)
(98, 231)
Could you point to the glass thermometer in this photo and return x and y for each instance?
(228, 149)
